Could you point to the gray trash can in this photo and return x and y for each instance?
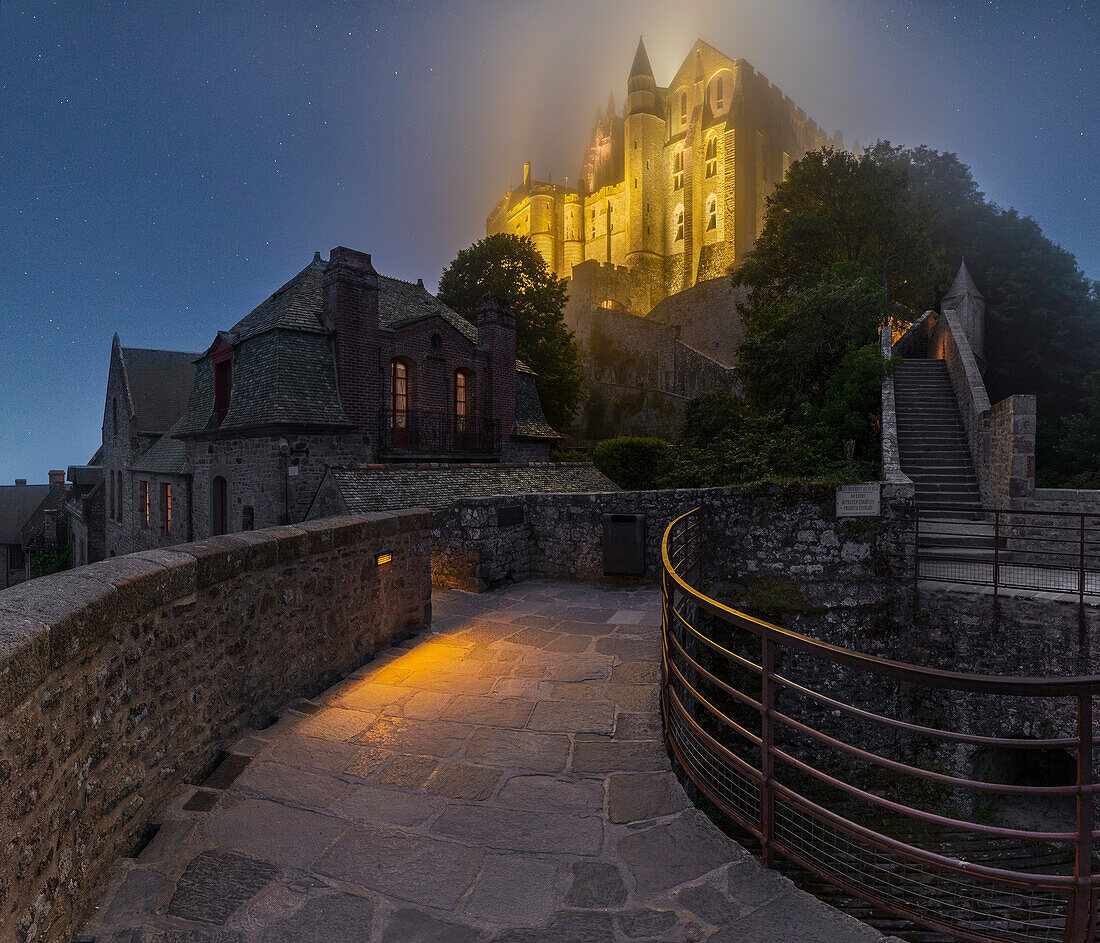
(624, 544)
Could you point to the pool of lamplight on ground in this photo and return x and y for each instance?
(501, 776)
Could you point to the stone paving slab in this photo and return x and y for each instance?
(502, 777)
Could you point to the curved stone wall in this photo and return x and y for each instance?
(122, 679)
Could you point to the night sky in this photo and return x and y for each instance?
(166, 166)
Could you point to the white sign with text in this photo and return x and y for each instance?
(858, 500)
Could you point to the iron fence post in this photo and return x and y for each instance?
(1081, 572)
(1079, 929)
(996, 554)
(767, 760)
(916, 552)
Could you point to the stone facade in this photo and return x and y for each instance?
(122, 680)
(674, 187)
(640, 371)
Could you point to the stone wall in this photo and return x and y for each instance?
(1010, 465)
(122, 679)
(707, 317)
(760, 537)
(276, 488)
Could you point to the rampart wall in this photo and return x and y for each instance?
(122, 679)
(763, 538)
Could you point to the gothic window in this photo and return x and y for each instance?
(679, 223)
(678, 169)
(683, 107)
(143, 503)
(399, 403)
(712, 212)
(111, 494)
(219, 506)
(719, 93)
(462, 408)
(166, 509)
(118, 496)
(712, 155)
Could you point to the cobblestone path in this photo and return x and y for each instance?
(500, 777)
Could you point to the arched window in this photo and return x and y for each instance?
(399, 403)
(712, 155)
(679, 223)
(219, 506)
(462, 408)
(712, 212)
(678, 169)
(683, 107)
(719, 93)
(118, 496)
(111, 494)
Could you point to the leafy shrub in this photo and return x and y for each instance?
(635, 463)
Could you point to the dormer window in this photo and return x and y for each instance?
(223, 386)
(221, 358)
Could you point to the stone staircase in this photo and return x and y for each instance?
(932, 442)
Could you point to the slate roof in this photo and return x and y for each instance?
(84, 476)
(167, 456)
(367, 488)
(284, 373)
(530, 420)
(35, 524)
(963, 283)
(17, 505)
(159, 384)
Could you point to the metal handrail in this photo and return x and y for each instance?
(716, 745)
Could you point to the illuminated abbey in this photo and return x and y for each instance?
(673, 188)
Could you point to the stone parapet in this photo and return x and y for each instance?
(787, 533)
(121, 680)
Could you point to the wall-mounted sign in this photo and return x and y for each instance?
(859, 500)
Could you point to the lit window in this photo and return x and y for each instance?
(712, 212)
(712, 155)
(679, 223)
(678, 169)
(461, 402)
(399, 403)
(719, 92)
(143, 502)
(166, 509)
(683, 107)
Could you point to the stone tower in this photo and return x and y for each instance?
(644, 131)
(968, 305)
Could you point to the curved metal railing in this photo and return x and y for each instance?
(852, 766)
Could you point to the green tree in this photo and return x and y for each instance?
(511, 268)
(796, 341)
(833, 208)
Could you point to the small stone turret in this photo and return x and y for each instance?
(968, 307)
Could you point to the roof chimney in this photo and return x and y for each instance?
(21, 481)
(57, 478)
(351, 309)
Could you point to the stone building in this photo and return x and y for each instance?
(670, 196)
(32, 520)
(672, 189)
(341, 367)
(86, 509)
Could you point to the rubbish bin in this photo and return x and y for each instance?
(624, 544)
